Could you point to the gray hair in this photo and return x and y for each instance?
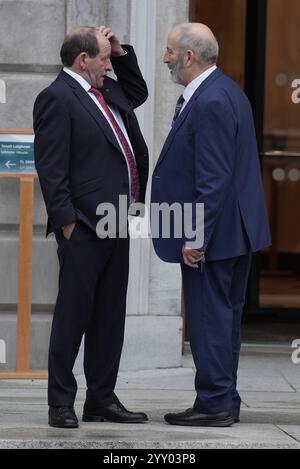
(205, 50)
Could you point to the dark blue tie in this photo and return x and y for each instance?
(178, 108)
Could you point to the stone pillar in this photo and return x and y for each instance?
(155, 329)
(165, 285)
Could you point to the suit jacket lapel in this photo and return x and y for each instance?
(216, 74)
(92, 109)
(117, 101)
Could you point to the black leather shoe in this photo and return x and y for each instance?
(114, 412)
(193, 418)
(236, 419)
(62, 417)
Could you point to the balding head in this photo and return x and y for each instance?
(86, 51)
(199, 29)
(83, 39)
(198, 38)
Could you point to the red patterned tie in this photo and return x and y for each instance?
(135, 183)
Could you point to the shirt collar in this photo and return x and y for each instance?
(82, 81)
(192, 87)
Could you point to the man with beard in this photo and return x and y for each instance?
(210, 157)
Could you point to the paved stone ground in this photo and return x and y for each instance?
(269, 385)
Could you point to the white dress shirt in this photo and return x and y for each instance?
(194, 85)
(86, 86)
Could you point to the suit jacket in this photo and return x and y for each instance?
(78, 159)
(211, 157)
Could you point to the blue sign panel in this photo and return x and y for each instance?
(16, 154)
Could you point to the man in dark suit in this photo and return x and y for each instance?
(210, 157)
(89, 150)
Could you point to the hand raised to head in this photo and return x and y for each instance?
(116, 48)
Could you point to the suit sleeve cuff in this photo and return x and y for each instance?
(62, 218)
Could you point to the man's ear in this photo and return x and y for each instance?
(81, 60)
(189, 57)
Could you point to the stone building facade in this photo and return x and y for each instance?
(31, 33)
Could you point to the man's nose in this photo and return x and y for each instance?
(165, 58)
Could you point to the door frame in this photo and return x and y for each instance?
(255, 70)
(255, 73)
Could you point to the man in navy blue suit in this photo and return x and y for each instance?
(210, 157)
(89, 150)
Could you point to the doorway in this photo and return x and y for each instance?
(259, 50)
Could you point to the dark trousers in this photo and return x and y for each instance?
(214, 299)
(91, 301)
